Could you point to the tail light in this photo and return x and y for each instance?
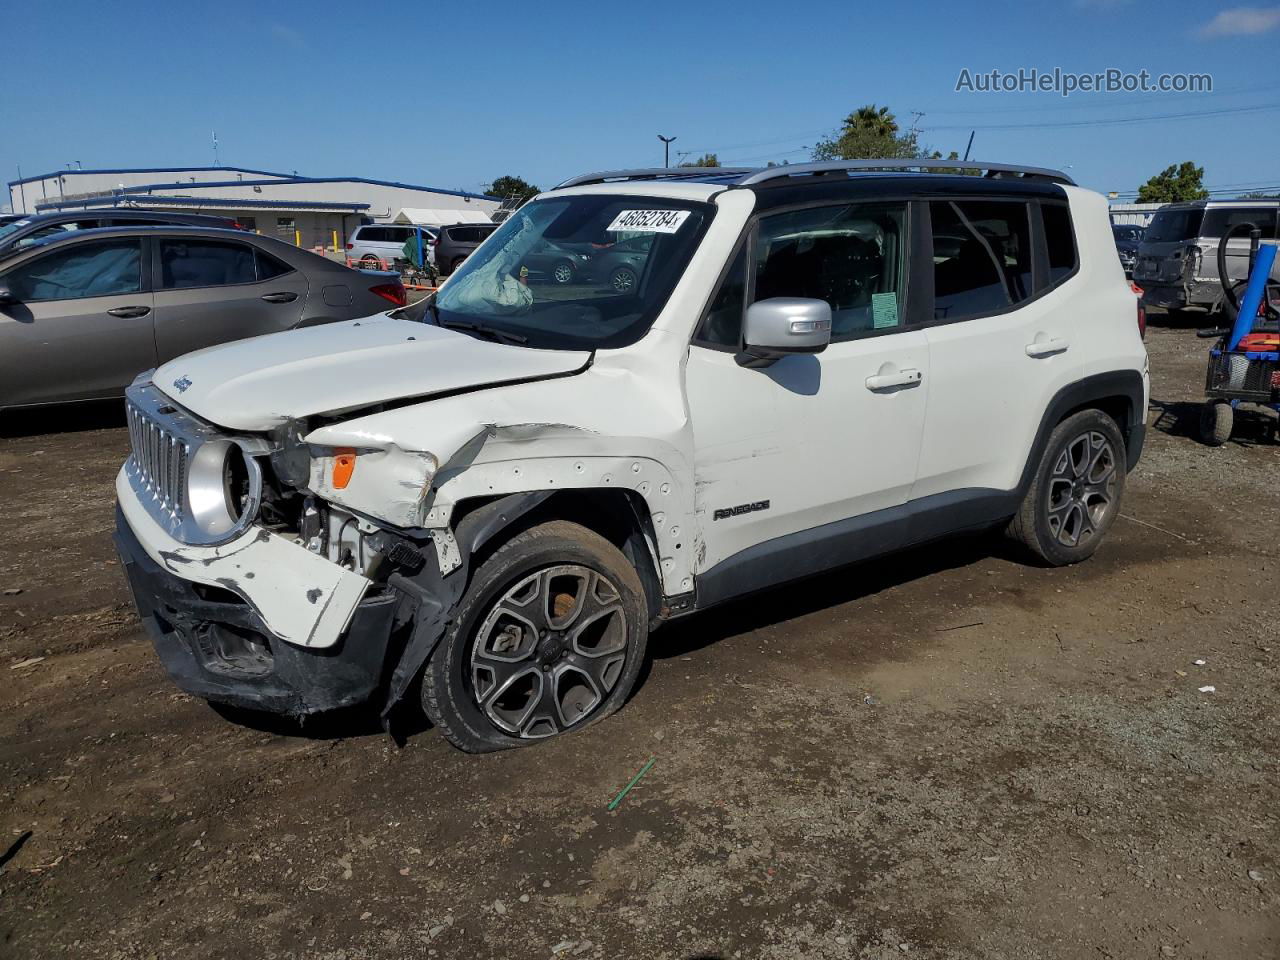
(1191, 261)
(237, 225)
(394, 292)
(1142, 310)
(351, 246)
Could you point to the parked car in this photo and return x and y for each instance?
(379, 245)
(1128, 237)
(1177, 264)
(457, 242)
(500, 490)
(617, 263)
(82, 313)
(25, 231)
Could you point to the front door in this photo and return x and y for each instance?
(213, 291)
(813, 439)
(77, 324)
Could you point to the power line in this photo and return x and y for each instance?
(1040, 125)
(1108, 103)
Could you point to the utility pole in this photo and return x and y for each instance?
(970, 145)
(666, 149)
(215, 147)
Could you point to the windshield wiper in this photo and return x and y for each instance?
(500, 336)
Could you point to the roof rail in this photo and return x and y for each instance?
(853, 166)
(656, 173)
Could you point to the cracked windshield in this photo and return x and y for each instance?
(574, 273)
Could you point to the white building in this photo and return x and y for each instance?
(1137, 214)
(309, 211)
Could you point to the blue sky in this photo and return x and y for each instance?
(453, 95)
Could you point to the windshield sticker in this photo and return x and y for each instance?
(648, 221)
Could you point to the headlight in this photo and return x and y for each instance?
(224, 485)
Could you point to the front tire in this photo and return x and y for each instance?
(548, 639)
(1075, 492)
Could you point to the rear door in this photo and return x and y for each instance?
(1000, 345)
(78, 325)
(211, 291)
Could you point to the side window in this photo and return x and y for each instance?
(101, 269)
(269, 267)
(1059, 241)
(54, 229)
(723, 324)
(204, 263)
(981, 257)
(1219, 220)
(850, 256)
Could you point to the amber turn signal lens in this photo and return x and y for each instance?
(344, 465)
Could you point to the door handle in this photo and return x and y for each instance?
(908, 377)
(1047, 348)
(285, 297)
(129, 312)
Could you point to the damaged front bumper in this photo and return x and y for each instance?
(216, 645)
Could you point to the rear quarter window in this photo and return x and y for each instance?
(1059, 241)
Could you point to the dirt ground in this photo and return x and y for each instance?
(947, 754)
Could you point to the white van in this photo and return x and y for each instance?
(376, 246)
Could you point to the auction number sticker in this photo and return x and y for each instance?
(648, 221)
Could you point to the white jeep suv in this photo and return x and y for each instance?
(501, 490)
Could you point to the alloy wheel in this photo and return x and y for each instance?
(623, 280)
(549, 651)
(563, 273)
(1081, 492)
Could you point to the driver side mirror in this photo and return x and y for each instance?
(5, 295)
(783, 325)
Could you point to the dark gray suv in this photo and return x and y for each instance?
(457, 242)
(81, 314)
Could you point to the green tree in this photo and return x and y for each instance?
(869, 132)
(1174, 184)
(509, 187)
(871, 117)
(706, 160)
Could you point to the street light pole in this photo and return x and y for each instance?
(666, 149)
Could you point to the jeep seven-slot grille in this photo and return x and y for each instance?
(160, 459)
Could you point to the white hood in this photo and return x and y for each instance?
(260, 383)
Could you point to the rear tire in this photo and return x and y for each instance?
(548, 639)
(1216, 420)
(1075, 492)
(623, 280)
(370, 262)
(457, 262)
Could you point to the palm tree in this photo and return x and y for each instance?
(877, 119)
